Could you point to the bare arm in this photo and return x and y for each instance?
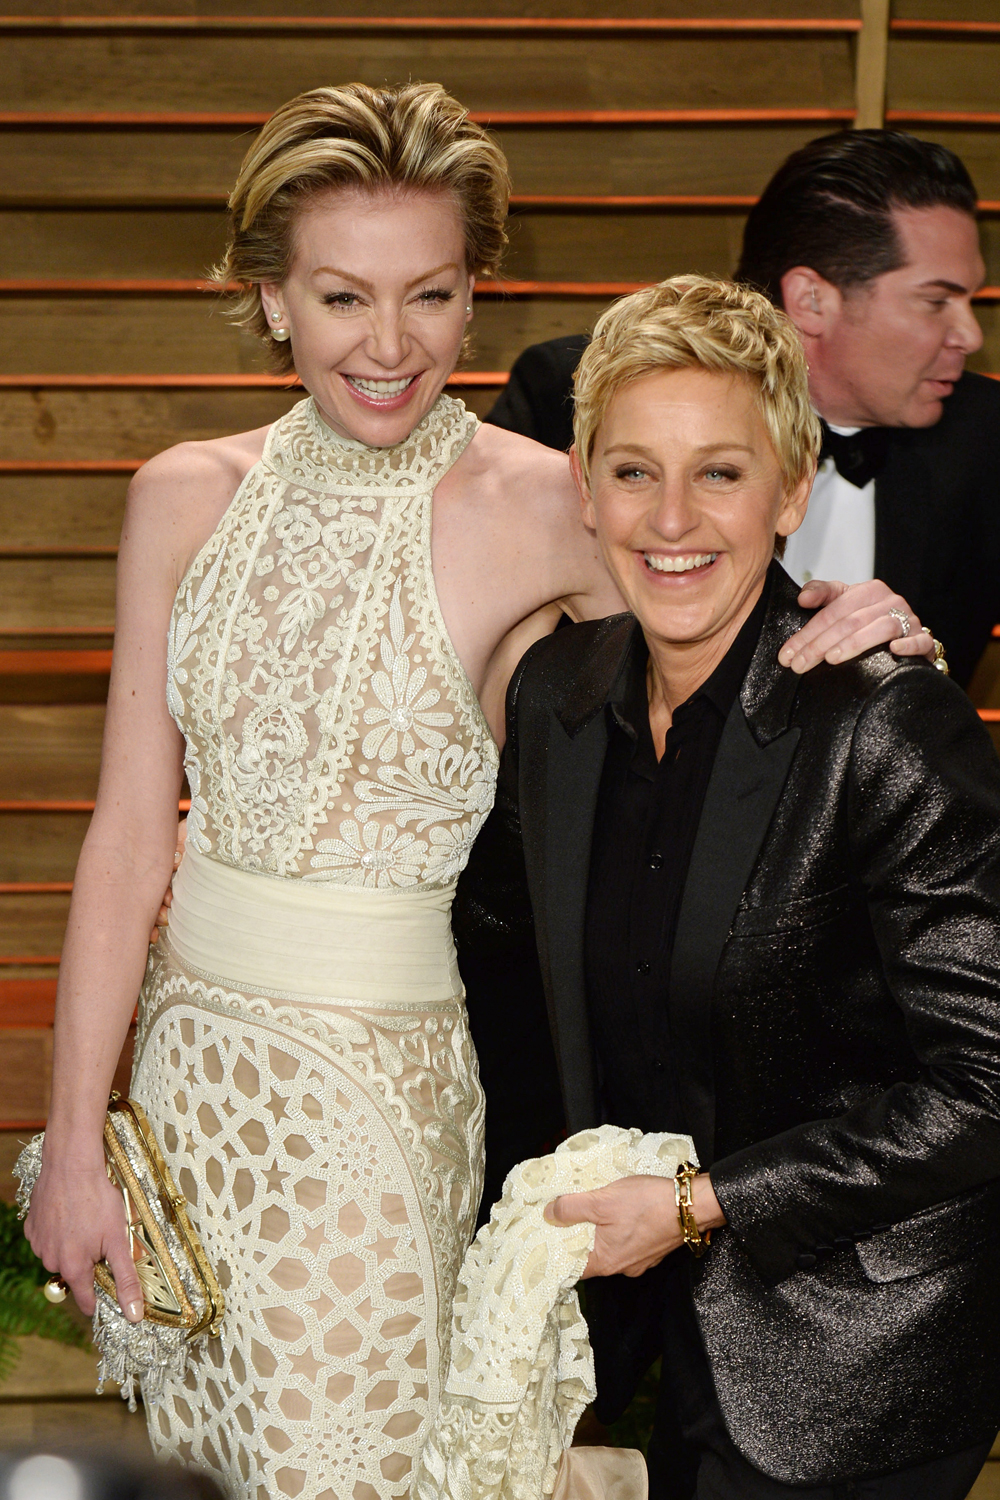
(76, 1217)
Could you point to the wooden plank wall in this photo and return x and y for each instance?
(638, 134)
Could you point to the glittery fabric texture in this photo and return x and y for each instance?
(834, 1012)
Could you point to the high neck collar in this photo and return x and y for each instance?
(302, 448)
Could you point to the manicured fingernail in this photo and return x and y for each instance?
(785, 656)
(548, 1215)
(134, 1312)
(835, 654)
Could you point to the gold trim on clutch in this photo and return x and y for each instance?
(132, 1153)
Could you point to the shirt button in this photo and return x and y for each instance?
(805, 1260)
(642, 967)
(656, 862)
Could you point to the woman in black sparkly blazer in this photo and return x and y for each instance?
(767, 910)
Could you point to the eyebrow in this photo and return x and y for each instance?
(367, 286)
(638, 448)
(946, 286)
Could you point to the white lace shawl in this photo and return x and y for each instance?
(522, 1370)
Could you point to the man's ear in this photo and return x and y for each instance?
(809, 300)
(583, 488)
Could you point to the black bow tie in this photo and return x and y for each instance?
(858, 457)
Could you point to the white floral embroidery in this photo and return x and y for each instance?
(306, 642)
(376, 854)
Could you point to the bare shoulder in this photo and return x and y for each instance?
(177, 499)
(504, 466)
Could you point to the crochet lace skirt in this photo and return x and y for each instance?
(304, 1058)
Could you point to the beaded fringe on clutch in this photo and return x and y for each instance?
(181, 1295)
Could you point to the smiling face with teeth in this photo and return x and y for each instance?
(686, 497)
(375, 304)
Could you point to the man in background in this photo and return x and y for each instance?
(868, 240)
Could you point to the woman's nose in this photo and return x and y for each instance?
(674, 512)
(387, 343)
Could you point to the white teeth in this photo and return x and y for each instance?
(679, 564)
(384, 388)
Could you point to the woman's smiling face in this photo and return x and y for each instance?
(686, 497)
(376, 304)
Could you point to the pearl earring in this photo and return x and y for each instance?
(281, 334)
(468, 307)
(276, 317)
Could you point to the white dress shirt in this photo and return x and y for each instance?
(837, 536)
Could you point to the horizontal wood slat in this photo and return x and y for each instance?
(533, 25)
(35, 887)
(228, 119)
(99, 167)
(504, 77)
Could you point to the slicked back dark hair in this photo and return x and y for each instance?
(830, 206)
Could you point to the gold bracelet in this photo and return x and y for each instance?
(696, 1242)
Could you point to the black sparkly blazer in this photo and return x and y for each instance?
(835, 1015)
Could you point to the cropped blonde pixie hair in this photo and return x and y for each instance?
(695, 322)
(409, 136)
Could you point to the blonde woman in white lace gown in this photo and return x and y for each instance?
(312, 620)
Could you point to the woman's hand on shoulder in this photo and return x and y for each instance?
(851, 619)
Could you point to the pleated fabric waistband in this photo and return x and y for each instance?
(327, 941)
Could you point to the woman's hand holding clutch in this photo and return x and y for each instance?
(76, 1219)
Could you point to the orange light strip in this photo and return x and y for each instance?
(469, 378)
(51, 663)
(170, 286)
(516, 24)
(29, 960)
(946, 28)
(55, 805)
(70, 466)
(942, 117)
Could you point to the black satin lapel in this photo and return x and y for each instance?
(744, 789)
(573, 779)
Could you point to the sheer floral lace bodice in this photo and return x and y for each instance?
(332, 734)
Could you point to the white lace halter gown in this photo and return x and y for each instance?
(303, 1051)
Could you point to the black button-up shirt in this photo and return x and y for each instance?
(648, 813)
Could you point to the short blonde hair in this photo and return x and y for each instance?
(695, 322)
(409, 136)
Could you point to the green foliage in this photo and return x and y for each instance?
(23, 1308)
(634, 1429)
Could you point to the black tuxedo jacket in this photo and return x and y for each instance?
(937, 499)
(835, 1016)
